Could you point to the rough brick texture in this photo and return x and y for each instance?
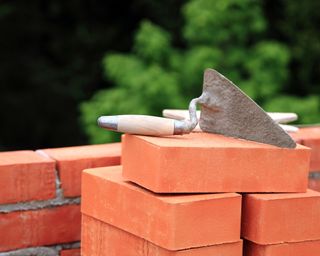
(310, 137)
(202, 162)
(173, 222)
(72, 160)
(70, 252)
(40, 227)
(306, 248)
(277, 218)
(99, 238)
(26, 176)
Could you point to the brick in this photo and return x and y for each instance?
(99, 237)
(203, 162)
(40, 227)
(173, 222)
(71, 161)
(278, 218)
(70, 252)
(26, 176)
(314, 182)
(306, 248)
(310, 137)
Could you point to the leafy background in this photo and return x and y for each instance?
(64, 63)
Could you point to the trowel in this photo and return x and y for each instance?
(225, 110)
(280, 118)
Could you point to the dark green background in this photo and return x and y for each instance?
(51, 54)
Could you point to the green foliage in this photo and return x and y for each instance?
(307, 108)
(227, 35)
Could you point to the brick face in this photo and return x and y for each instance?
(72, 160)
(278, 218)
(40, 227)
(310, 137)
(173, 222)
(70, 252)
(305, 248)
(100, 239)
(314, 181)
(202, 162)
(26, 176)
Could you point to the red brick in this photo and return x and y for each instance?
(203, 162)
(26, 176)
(173, 222)
(277, 218)
(99, 238)
(71, 161)
(310, 137)
(314, 184)
(70, 252)
(40, 227)
(306, 248)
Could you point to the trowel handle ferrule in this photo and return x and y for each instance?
(143, 125)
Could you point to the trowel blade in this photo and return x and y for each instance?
(226, 110)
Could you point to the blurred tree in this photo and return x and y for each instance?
(228, 35)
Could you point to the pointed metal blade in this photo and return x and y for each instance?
(226, 110)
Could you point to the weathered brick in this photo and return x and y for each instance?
(173, 222)
(72, 160)
(203, 162)
(26, 176)
(39, 227)
(278, 218)
(100, 239)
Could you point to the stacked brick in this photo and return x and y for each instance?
(179, 196)
(40, 198)
(310, 137)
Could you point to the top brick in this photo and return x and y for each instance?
(310, 137)
(72, 160)
(26, 176)
(203, 162)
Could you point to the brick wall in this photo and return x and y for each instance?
(40, 198)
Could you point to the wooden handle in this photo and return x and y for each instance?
(141, 124)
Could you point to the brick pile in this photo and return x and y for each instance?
(180, 195)
(40, 198)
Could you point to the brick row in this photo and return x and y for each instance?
(72, 160)
(50, 226)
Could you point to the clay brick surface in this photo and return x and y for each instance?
(203, 162)
(99, 238)
(277, 218)
(306, 248)
(70, 252)
(71, 161)
(26, 176)
(171, 221)
(310, 137)
(40, 227)
(314, 183)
